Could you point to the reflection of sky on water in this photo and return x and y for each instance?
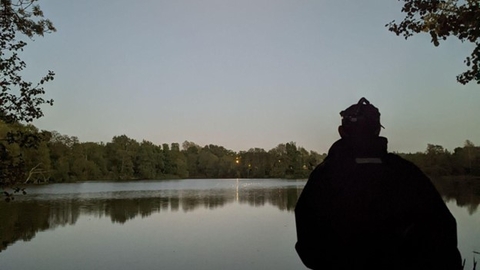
(186, 203)
(464, 193)
(189, 184)
(232, 237)
(192, 227)
(189, 194)
(468, 230)
(462, 197)
(51, 206)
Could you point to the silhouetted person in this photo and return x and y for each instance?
(365, 208)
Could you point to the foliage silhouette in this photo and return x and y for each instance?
(442, 19)
(20, 100)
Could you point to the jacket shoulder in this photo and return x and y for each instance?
(402, 164)
(319, 171)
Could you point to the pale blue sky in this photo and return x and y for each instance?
(249, 73)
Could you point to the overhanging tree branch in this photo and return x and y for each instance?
(20, 100)
(441, 20)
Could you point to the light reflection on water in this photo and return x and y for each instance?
(179, 224)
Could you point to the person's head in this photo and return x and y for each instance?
(361, 120)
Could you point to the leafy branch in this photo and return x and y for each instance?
(442, 19)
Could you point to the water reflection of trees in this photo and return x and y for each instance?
(22, 219)
(466, 192)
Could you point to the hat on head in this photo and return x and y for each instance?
(361, 119)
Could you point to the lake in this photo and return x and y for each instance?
(177, 224)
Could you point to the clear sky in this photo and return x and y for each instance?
(247, 73)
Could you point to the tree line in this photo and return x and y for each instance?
(61, 158)
(48, 156)
(437, 161)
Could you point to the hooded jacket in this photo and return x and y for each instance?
(365, 208)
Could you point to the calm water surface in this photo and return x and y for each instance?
(184, 224)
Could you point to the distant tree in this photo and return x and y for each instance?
(442, 19)
(468, 158)
(470, 151)
(227, 167)
(178, 161)
(207, 163)
(437, 161)
(60, 147)
(279, 161)
(293, 160)
(121, 154)
(87, 161)
(168, 166)
(186, 145)
(145, 160)
(175, 147)
(254, 163)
